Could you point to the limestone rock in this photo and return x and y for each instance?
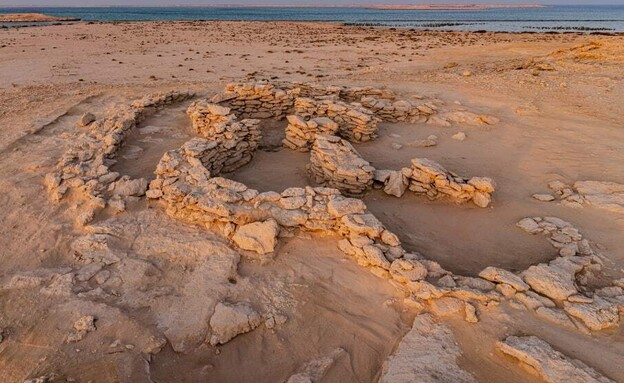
(549, 364)
(230, 320)
(497, 275)
(543, 197)
(427, 354)
(260, 237)
(396, 184)
(86, 119)
(598, 315)
(130, 187)
(447, 306)
(407, 270)
(552, 281)
(432, 179)
(315, 370)
(529, 225)
(460, 136)
(339, 207)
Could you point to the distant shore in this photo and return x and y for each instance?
(453, 7)
(32, 18)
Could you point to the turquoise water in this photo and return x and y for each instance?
(608, 18)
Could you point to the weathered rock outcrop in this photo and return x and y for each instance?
(603, 195)
(548, 363)
(230, 320)
(427, 354)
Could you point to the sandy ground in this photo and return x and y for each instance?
(558, 121)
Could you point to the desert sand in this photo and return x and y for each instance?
(142, 238)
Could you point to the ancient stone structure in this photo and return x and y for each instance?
(235, 142)
(187, 182)
(355, 122)
(85, 166)
(257, 100)
(334, 161)
(430, 178)
(300, 133)
(399, 110)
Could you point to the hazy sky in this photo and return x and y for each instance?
(86, 3)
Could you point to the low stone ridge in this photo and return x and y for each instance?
(355, 122)
(551, 365)
(430, 178)
(393, 110)
(85, 166)
(300, 133)
(603, 195)
(334, 161)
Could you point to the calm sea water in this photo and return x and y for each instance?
(608, 18)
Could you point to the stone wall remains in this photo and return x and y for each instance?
(257, 100)
(238, 139)
(85, 166)
(430, 178)
(334, 161)
(355, 123)
(300, 134)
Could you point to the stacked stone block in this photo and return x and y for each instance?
(334, 161)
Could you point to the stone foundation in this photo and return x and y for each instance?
(335, 162)
(85, 166)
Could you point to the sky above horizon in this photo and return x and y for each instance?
(87, 3)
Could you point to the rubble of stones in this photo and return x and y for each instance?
(569, 290)
(601, 194)
(85, 166)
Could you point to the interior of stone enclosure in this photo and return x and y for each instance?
(202, 161)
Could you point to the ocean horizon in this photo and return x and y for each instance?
(552, 18)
